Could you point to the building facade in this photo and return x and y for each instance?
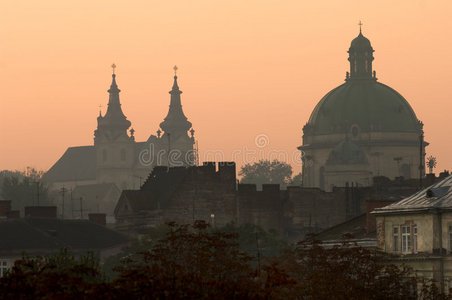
(361, 129)
(418, 231)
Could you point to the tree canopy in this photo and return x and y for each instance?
(266, 171)
(23, 188)
(195, 262)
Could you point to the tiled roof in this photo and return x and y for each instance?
(436, 196)
(33, 234)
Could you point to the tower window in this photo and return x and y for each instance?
(123, 154)
(104, 155)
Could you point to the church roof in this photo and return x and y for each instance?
(360, 41)
(436, 196)
(76, 164)
(371, 105)
(93, 191)
(361, 101)
(175, 123)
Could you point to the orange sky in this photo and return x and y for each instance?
(246, 68)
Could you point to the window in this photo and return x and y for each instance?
(3, 268)
(406, 239)
(450, 238)
(415, 239)
(395, 243)
(123, 154)
(104, 155)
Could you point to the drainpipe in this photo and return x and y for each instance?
(441, 262)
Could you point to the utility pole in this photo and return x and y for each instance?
(37, 191)
(72, 205)
(63, 191)
(169, 149)
(81, 208)
(421, 154)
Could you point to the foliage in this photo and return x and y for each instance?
(296, 180)
(22, 188)
(191, 262)
(256, 241)
(266, 171)
(196, 262)
(344, 271)
(60, 276)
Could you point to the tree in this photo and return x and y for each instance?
(296, 180)
(23, 188)
(345, 271)
(191, 262)
(266, 171)
(59, 276)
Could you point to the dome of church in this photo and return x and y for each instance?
(360, 41)
(362, 102)
(345, 153)
(366, 104)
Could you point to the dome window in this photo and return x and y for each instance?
(355, 131)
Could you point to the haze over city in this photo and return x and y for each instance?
(245, 69)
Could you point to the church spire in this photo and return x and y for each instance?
(114, 123)
(176, 122)
(360, 57)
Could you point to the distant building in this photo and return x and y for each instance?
(361, 129)
(41, 233)
(418, 230)
(116, 157)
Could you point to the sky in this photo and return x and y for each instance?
(251, 72)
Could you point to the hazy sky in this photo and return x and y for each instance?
(246, 68)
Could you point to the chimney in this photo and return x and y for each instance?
(49, 212)
(5, 207)
(98, 218)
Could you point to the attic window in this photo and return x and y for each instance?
(437, 192)
(125, 207)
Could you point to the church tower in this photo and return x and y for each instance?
(175, 146)
(114, 147)
(360, 58)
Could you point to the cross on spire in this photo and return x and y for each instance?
(175, 70)
(360, 24)
(113, 66)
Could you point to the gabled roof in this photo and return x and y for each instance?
(31, 235)
(137, 200)
(355, 226)
(76, 164)
(436, 196)
(94, 191)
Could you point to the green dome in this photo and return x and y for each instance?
(366, 104)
